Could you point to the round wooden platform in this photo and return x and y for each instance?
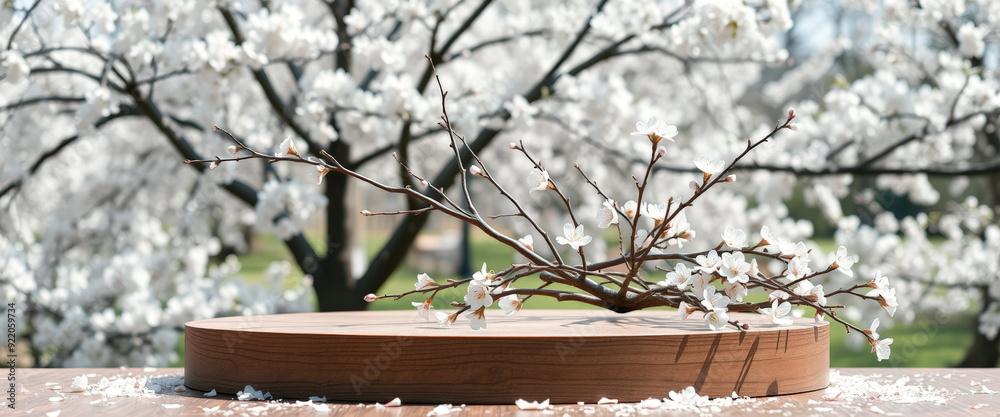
(563, 355)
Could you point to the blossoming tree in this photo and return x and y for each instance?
(101, 104)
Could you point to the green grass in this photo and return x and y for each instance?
(929, 341)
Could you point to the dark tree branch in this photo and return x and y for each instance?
(42, 99)
(458, 32)
(491, 42)
(122, 112)
(27, 15)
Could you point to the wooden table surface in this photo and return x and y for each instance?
(960, 392)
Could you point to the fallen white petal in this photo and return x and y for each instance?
(53, 413)
(169, 406)
(316, 399)
(211, 393)
(605, 400)
(650, 403)
(56, 399)
(396, 402)
(441, 410)
(534, 405)
(79, 384)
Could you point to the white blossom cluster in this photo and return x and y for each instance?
(109, 233)
(920, 109)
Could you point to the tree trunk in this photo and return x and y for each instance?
(333, 277)
(983, 353)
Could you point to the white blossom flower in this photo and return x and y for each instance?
(735, 291)
(777, 295)
(642, 240)
(734, 238)
(681, 229)
(528, 242)
(232, 149)
(510, 304)
(811, 292)
(700, 281)
(791, 249)
(735, 267)
(717, 319)
(478, 295)
(844, 262)
(709, 166)
(630, 208)
(880, 281)
(607, 215)
(539, 180)
(765, 237)
(655, 130)
(779, 313)
(287, 147)
(12, 64)
(972, 39)
(482, 275)
(322, 170)
(754, 271)
(657, 212)
(477, 318)
(574, 237)
(444, 319)
(520, 109)
(475, 170)
(872, 331)
(709, 263)
(714, 300)
(881, 348)
(424, 281)
(424, 309)
(798, 267)
(886, 298)
(680, 277)
(685, 310)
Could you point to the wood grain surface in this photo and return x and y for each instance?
(34, 399)
(564, 355)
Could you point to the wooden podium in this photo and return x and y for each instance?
(563, 355)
